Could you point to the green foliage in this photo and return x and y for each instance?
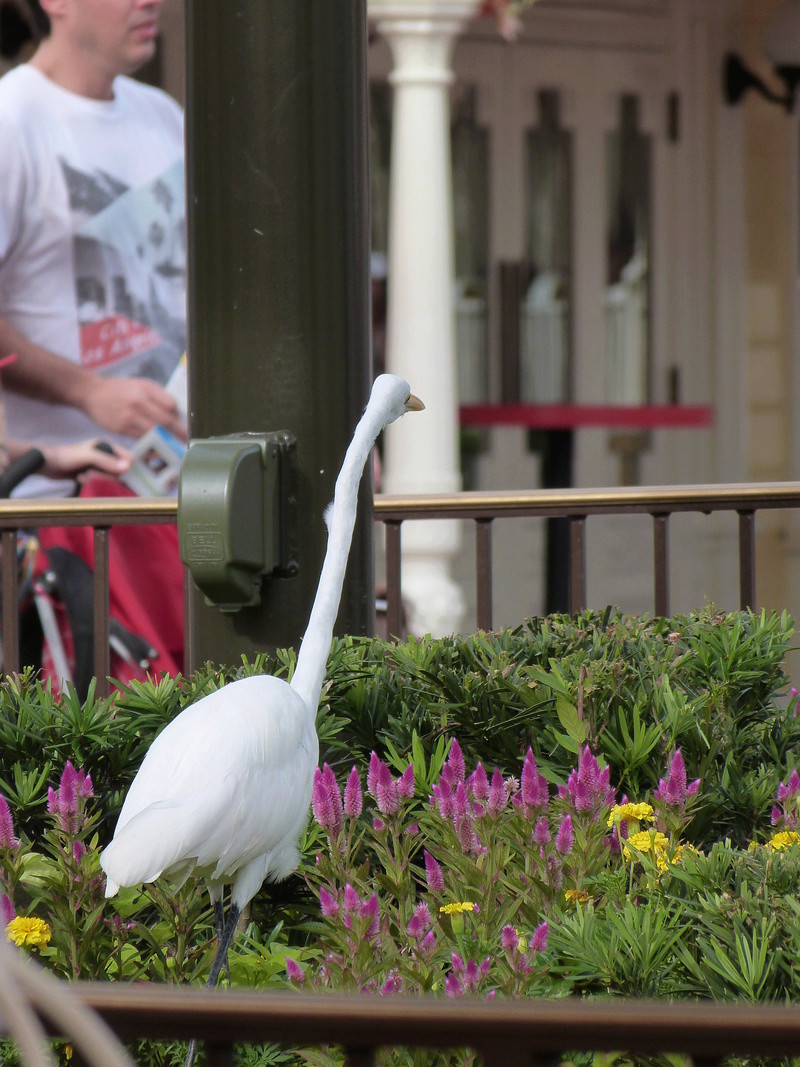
(724, 923)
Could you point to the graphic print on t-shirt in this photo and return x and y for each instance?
(130, 271)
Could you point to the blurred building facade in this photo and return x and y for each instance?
(621, 235)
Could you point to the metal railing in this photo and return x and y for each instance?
(573, 505)
(505, 1033)
(576, 506)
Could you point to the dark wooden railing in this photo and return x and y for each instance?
(574, 505)
(505, 1033)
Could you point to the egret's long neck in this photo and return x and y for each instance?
(313, 655)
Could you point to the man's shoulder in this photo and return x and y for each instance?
(19, 95)
(138, 96)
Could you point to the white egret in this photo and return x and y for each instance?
(224, 790)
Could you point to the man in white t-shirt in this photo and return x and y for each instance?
(92, 232)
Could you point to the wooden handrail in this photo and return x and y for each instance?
(529, 1028)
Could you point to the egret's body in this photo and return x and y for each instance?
(224, 790)
(229, 810)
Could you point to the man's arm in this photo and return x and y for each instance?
(128, 406)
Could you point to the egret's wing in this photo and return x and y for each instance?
(222, 784)
(215, 738)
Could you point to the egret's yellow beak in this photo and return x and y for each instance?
(414, 403)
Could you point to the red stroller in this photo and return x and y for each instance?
(56, 594)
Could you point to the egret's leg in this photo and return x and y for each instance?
(228, 929)
(223, 945)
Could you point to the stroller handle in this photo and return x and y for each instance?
(28, 463)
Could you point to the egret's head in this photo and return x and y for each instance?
(394, 396)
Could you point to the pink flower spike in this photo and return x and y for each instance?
(405, 783)
(352, 902)
(471, 975)
(328, 903)
(378, 824)
(295, 971)
(538, 941)
(78, 851)
(68, 789)
(541, 832)
(498, 795)
(7, 838)
(393, 984)
(565, 838)
(372, 773)
(353, 800)
(455, 761)
(323, 803)
(428, 943)
(453, 986)
(478, 784)
(508, 938)
(370, 910)
(7, 911)
(433, 873)
(386, 796)
(457, 962)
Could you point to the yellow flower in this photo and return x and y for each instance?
(458, 908)
(648, 841)
(28, 931)
(630, 813)
(679, 851)
(575, 896)
(783, 839)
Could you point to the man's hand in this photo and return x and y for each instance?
(132, 406)
(68, 461)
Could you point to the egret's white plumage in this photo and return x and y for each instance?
(225, 788)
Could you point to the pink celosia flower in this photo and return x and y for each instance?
(533, 793)
(457, 963)
(405, 783)
(455, 761)
(498, 796)
(393, 984)
(442, 797)
(372, 772)
(7, 911)
(674, 791)
(352, 900)
(295, 971)
(538, 942)
(565, 837)
(378, 824)
(65, 801)
(461, 805)
(541, 831)
(328, 903)
(420, 922)
(78, 851)
(508, 938)
(588, 787)
(478, 784)
(353, 800)
(428, 943)
(453, 986)
(472, 974)
(7, 838)
(433, 873)
(371, 911)
(326, 801)
(386, 795)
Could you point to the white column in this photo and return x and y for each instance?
(422, 453)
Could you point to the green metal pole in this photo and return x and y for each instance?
(278, 246)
